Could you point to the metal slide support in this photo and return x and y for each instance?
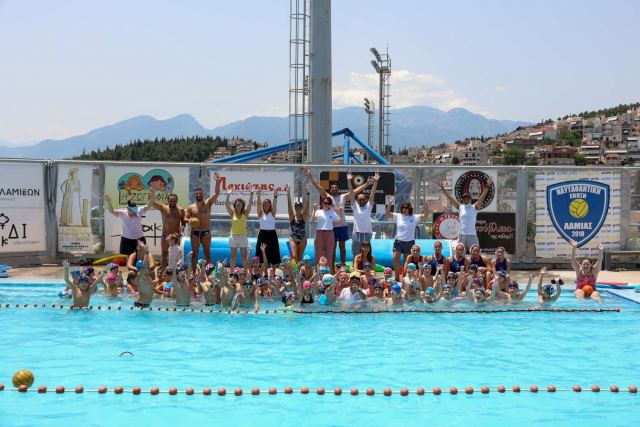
(346, 150)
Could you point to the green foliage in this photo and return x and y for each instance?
(496, 151)
(531, 161)
(566, 137)
(191, 149)
(580, 159)
(514, 156)
(455, 161)
(403, 152)
(613, 111)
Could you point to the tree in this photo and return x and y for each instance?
(514, 156)
(531, 161)
(580, 159)
(455, 161)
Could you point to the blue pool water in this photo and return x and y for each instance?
(266, 350)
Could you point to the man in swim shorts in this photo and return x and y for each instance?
(172, 221)
(144, 282)
(199, 215)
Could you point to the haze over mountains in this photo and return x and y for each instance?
(412, 126)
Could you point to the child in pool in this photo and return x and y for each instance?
(550, 293)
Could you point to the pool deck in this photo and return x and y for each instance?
(629, 276)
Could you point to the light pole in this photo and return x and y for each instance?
(370, 109)
(382, 65)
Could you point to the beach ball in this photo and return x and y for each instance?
(195, 222)
(23, 377)
(578, 208)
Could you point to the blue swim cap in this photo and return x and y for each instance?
(75, 272)
(209, 268)
(392, 281)
(322, 299)
(167, 286)
(396, 288)
(324, 270)
(262, 281)
(328, 279)
(430, 290)
(549, 289)
(306, 258)
(83, 278)
(138, 264)
(411, 266)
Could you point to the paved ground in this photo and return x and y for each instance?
(631, 277)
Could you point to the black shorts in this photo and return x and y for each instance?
(403, 247)
(128, 246)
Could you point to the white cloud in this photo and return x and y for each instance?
(407, 89)
(499, 88)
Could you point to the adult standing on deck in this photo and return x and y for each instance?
(172, 221)
(268, 234)
(468, 213)
(340, 229)
(130, 219)
(406, 222)
(362, 207)
(199, 216)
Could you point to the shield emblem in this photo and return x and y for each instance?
(578, 208)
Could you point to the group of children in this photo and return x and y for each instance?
(425, 280)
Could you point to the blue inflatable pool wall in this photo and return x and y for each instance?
(382, 249)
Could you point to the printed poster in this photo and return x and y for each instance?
(583, 206)
(22, 208)
(242, 181)
(122, 183)
(474, 183)
(73, 208)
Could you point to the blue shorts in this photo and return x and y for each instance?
(403, 247)
(341, 233)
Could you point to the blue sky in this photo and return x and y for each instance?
(69, 67)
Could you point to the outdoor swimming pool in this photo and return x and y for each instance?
(184, 349)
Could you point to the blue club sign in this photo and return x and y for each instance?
(578, 208)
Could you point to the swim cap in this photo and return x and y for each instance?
(88, 270)
(306, 258)
(255, 259)
(112, 266)
(209, 268)
(75, 272)
(430, 290)
(502, 273)
(83, 278)
(549, 289)
(473, 267)
(167, 286)
(411, 266)
(513, 284)
(200, 262)
(447, 287)
(278, 277)
(111, 277)
(322, 299)
(478, 281)
(285, 259)
(328, 279)
(323, 259)
(234, 275)
(138, 264)
(262, 281)
(392, 281)
(396, 288)
(306, 284)
(451, 275)
(388, 270)
(324, 270)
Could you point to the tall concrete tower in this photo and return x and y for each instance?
(319, 150)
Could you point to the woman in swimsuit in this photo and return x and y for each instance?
(459, 261)
(586, 272)
(298, 217)
(363, 257)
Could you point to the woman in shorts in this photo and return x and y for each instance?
(239, 214)
(406, 223)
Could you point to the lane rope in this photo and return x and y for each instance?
(303, 311)
(338, 391)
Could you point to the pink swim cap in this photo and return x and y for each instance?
(306, 285)
(111, 277)
(388, 270)
(322, 259)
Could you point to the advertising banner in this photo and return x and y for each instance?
(584, 207)
(122, 183)
(73, 208)
(474, 183)
(493, 229)
(22, 208)
(242, 181)
(386, 186)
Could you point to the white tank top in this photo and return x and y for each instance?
(267, 222)
(467, 215)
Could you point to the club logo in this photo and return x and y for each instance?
(578, 208)
(446, 226)
(474, 182)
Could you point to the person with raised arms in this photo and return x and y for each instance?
(199, 216)
(144, 282)
(239, 214)
(362, 207)
(586, 273)
(172, 221)
(467, 213)
(550, 293)
(80, 288)
(341, 228)
(131, 221)
(406, 222)
(298, 217)
(324, 240)
(267, 212)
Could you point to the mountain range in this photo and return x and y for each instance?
(411, 126)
